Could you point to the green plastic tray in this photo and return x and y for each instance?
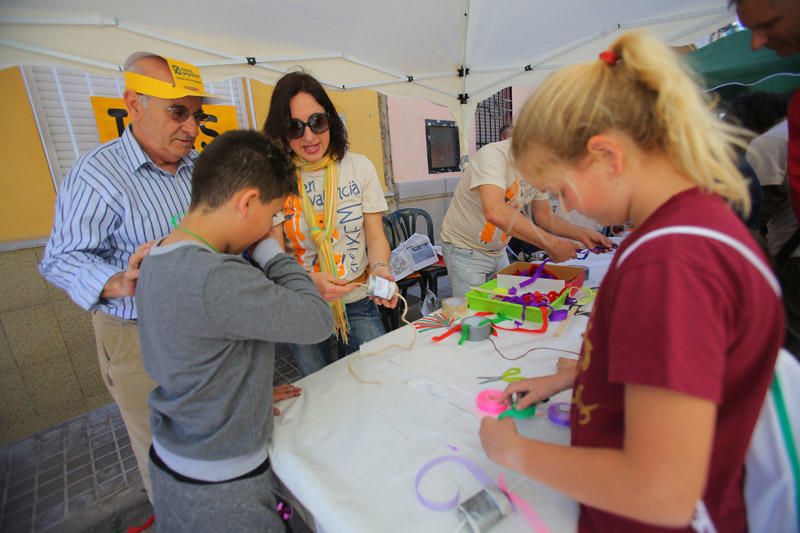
(479, 301)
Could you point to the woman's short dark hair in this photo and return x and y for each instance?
(237, 160)
(278, 117)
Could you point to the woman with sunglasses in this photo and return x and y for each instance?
(333, 225)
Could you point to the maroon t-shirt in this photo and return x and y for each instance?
(793, 155)
(690, 314)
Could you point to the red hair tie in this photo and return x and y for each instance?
(609, 57)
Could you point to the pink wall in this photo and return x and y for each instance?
(407, 130)
(520, 95)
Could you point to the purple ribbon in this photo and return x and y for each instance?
(536, 274)
(473, 468)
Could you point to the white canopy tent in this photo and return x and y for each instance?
(451, 52)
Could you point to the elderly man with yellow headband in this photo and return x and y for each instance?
(117, 198)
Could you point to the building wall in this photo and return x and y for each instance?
(520, 95)
(26, 205)
(415, 187)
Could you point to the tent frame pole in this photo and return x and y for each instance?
(61, 55)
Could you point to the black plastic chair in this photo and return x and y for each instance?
(391, 317)
(406, 221)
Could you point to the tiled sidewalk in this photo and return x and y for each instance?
(61, 474)
(81, 475)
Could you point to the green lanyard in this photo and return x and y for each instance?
(195, 235)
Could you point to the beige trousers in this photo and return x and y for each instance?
(120, 357)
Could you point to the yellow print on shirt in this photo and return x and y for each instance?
(293, 229)
(584, 411)
(489, 232)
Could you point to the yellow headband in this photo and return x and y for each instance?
(186, 82)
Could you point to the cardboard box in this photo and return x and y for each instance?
(565, 276)
(570, 276)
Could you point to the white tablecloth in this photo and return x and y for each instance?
(350, 451)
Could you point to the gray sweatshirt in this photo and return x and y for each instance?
(208, 324)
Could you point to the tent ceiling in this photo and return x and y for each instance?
(350, 43)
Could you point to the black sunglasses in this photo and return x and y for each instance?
(318, 122)
(180, 113)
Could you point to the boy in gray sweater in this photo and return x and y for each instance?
(208, 322)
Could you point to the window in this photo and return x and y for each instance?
(491, 115)
(443, 147)
(64, 115)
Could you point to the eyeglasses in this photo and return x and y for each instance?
(180, 113)
(318, 123)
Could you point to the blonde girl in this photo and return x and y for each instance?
(680, 347)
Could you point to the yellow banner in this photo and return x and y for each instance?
(112, 119)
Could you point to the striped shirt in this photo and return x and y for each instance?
(113, 200)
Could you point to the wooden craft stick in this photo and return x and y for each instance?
(563, 326)
(478, 289)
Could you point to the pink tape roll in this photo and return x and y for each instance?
(488, 401)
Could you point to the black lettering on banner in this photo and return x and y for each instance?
(208, 131)
(118, 114)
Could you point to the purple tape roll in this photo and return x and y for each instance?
(558, 414)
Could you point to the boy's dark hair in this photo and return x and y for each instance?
(239, 159)
(278, 117)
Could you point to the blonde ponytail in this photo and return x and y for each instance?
(648, 94)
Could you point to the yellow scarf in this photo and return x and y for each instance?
(322, 236)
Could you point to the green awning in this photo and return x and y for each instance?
(731, 65)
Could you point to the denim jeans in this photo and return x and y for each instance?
(470, 268)
(365, 325)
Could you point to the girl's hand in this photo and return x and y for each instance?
(534, 390)
(283, 392)
(498, 437)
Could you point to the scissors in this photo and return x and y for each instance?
(509, 376)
